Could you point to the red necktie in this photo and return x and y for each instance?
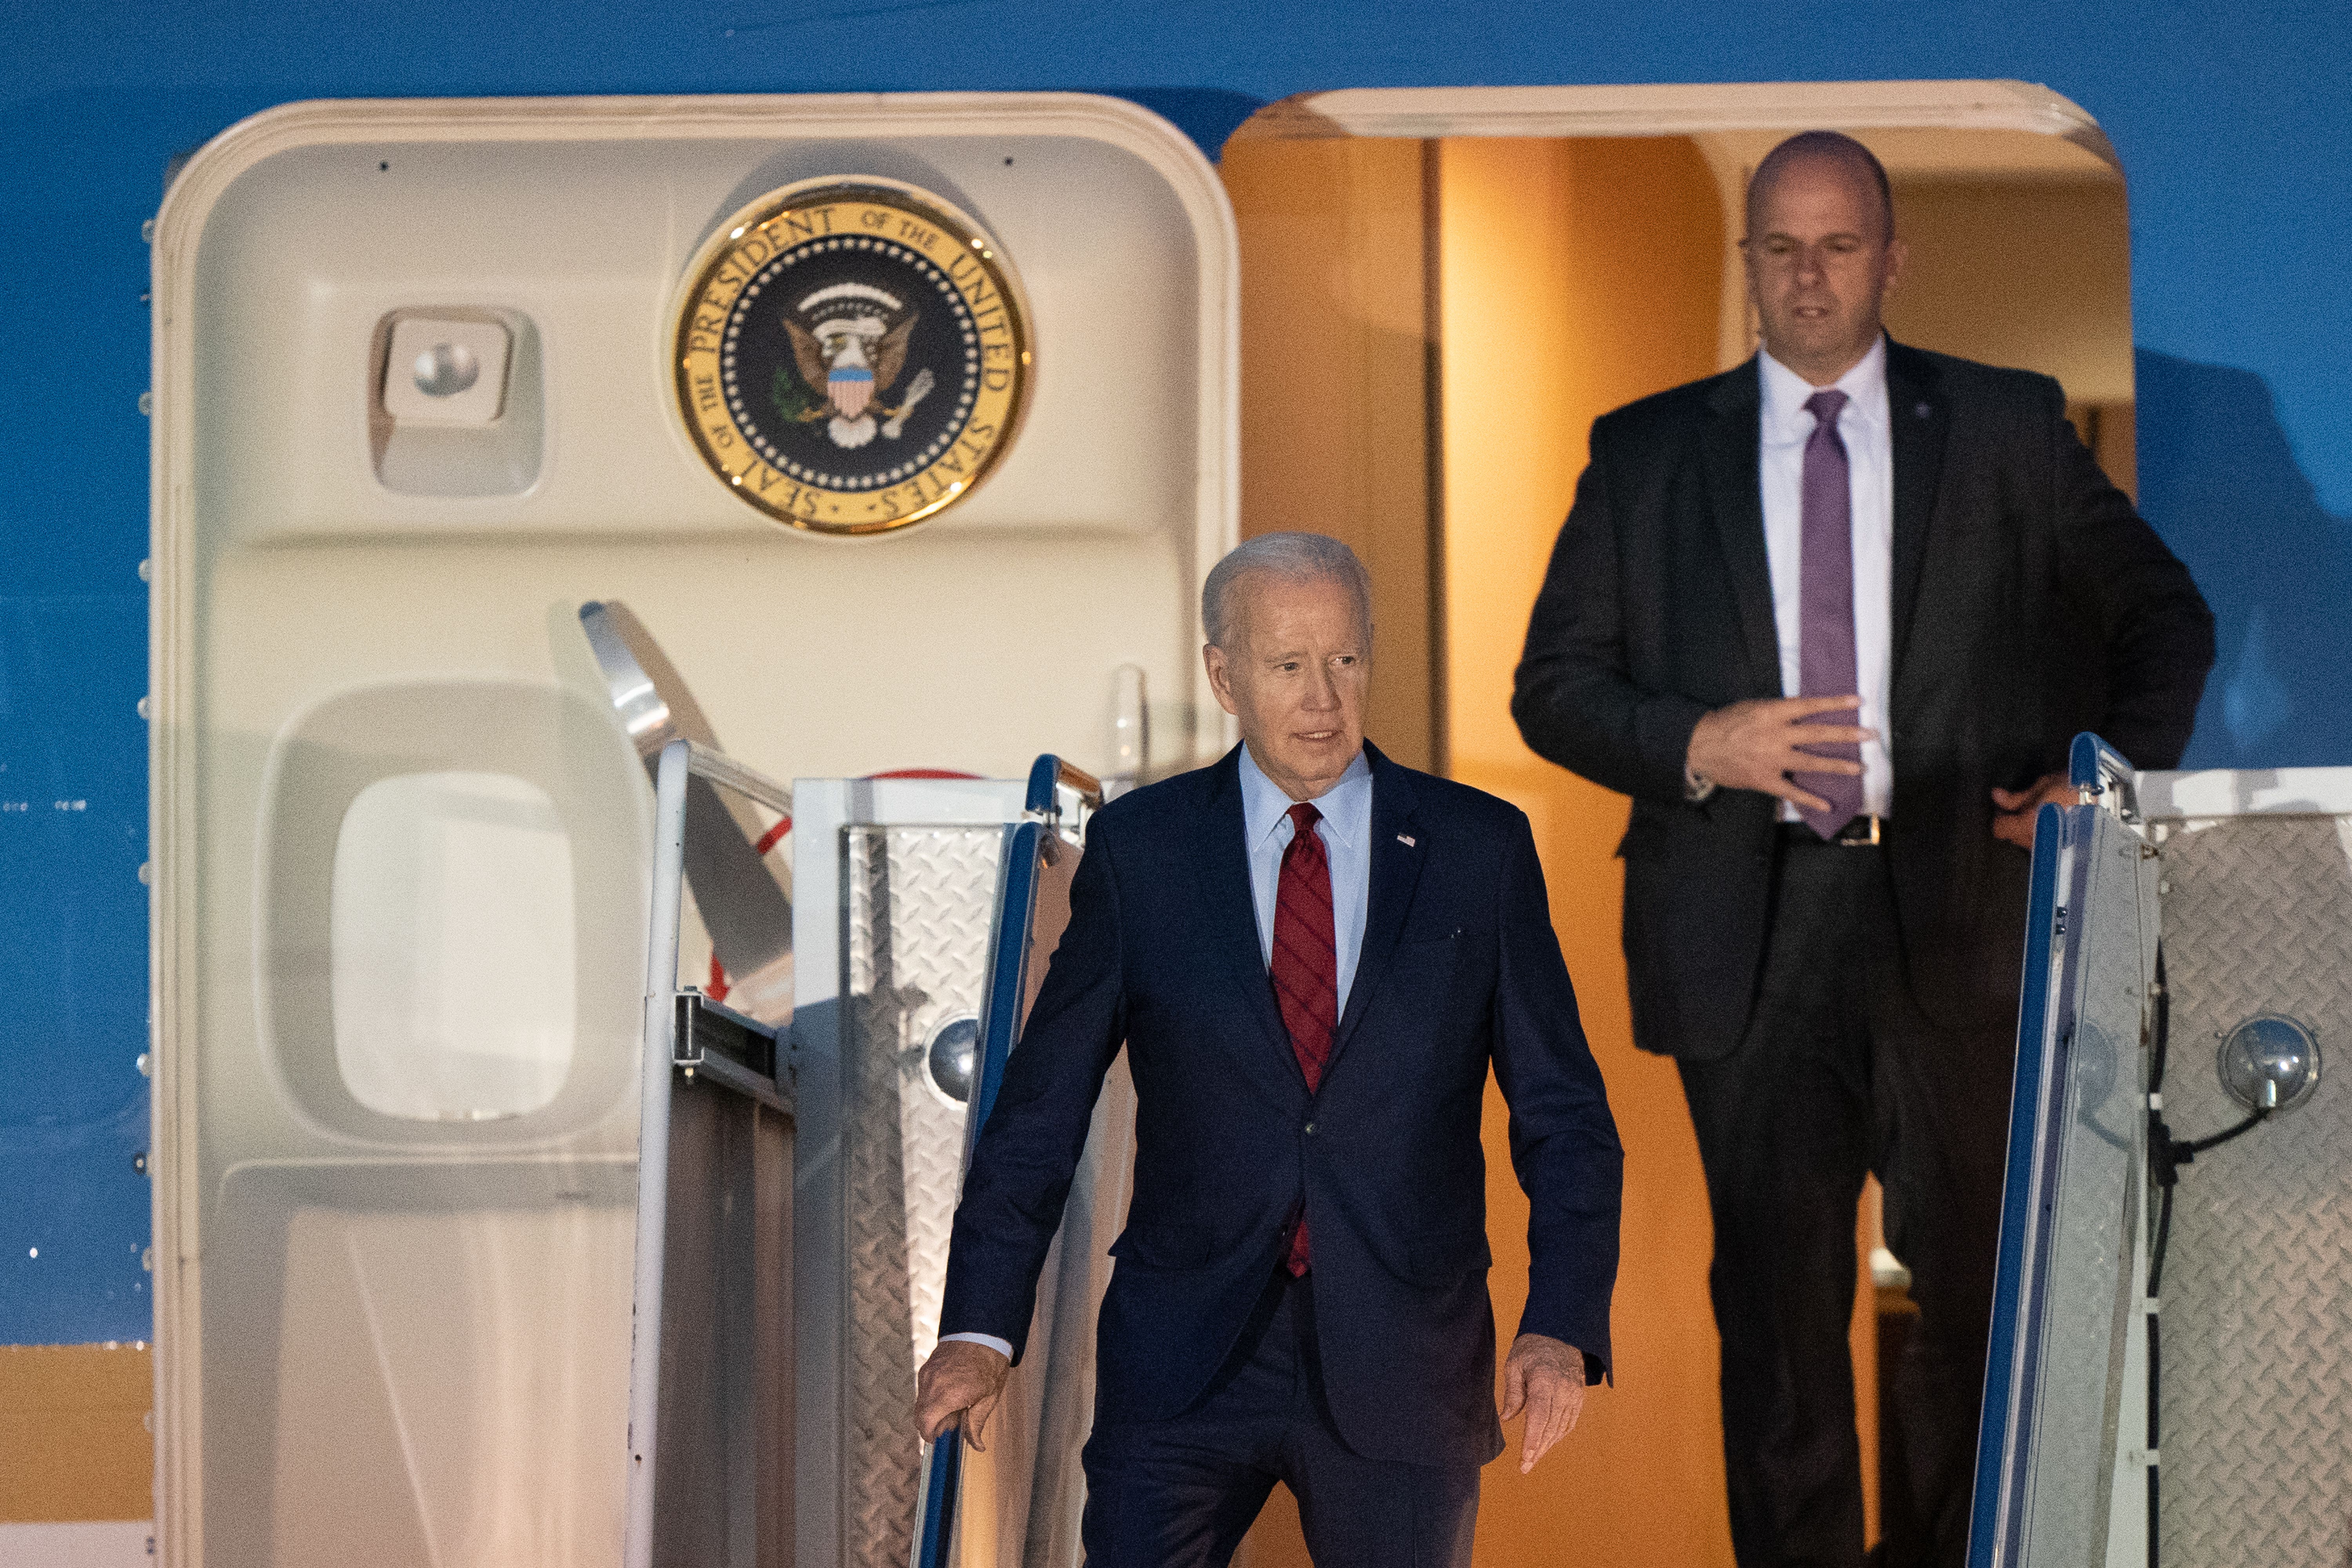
(1305, 964)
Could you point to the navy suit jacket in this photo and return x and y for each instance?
(1459, 969)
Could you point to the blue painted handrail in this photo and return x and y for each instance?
(1008, 976)
(1044, 774)
(1049, 770)
(2015, 1295)
(940, 1500)
(2099, 769)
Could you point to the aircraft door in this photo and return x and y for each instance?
(424, 386)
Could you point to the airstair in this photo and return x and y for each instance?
(2167, 1381)
(797, 1175)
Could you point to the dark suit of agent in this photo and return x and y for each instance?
(1847, 1004)
(1300, 1292)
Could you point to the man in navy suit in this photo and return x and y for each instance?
(1312, 955)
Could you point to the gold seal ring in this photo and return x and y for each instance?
(852, 355)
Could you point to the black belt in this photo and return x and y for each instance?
(1862, 833)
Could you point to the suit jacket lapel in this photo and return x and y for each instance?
(1920, 417)
(1231, 912)
(1395, 873)
(1735, 496)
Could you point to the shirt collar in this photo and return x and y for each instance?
(1263, 804)
(1786, 422)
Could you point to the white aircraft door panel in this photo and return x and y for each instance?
(400, 835)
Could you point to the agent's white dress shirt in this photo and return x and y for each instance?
(1865, 426)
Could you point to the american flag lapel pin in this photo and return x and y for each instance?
(1405, 839)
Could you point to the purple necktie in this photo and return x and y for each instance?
(1826, 662)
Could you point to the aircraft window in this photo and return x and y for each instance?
(453, 951)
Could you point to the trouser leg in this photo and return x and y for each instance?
(1786, 1130)
(1841, 1071)
(1943, 1173)
(1357, 1512)
(1181, 1494)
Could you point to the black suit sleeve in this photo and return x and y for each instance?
(1563, 1141)
(1574, 697)
(1029, 1151)
(2138, 602)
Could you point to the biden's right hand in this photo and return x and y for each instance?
(959, 1387)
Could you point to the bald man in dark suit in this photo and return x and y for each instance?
(1831, 619)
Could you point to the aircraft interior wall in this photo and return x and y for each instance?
(1579, 274)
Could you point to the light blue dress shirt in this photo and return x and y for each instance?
(1347, 834)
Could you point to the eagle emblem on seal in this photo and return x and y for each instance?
(849, 347)
(853, 355)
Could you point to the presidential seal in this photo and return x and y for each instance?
(852, 354)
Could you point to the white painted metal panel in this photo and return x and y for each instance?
(362, 1313)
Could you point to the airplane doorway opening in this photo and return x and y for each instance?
(1441, 289)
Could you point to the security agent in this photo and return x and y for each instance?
(1831, 618)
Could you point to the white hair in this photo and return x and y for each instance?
(1294, 557)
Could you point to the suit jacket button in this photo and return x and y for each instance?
(1310, 1130)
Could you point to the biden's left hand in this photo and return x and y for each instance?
(1546, 1377)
